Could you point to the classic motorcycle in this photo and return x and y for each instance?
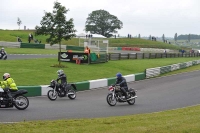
(115, 95)
(56, 90)
(3, 56)
(20, 101)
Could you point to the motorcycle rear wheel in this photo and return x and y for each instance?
(72, 90)
(110, 100)
(21, 102)
(132, 101)
(51, 96)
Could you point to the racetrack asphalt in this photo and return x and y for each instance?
(154, 95)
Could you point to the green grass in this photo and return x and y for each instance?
(39, 72)
(185, 120)
(11, 36)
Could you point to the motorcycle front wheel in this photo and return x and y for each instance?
(112, 101)
(51, 95)
(21, 102)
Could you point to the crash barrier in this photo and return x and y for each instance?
(153, 72)
(131, 48)
(156, 50)
(10, 44)
(75, 48)
(55, 46)
(81, 86)
(120, 56)
(32, 45)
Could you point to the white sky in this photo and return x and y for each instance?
(144, 17)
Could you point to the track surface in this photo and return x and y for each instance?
(154, 95)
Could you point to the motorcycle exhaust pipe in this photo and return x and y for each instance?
(132, 98)
(70, 94)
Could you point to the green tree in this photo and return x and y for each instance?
(56, 27)
(19, 22)
(103, 23)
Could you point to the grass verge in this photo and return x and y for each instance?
(40, 72)
(185, 120)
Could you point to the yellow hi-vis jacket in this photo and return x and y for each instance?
(8, 83)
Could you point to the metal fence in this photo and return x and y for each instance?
(121, 56)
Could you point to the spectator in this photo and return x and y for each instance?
(19, 39)
(29, 38)
(87, 50)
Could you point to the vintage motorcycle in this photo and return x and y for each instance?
(115, 95)
(20, 101)
(56, 90)
(3, 56)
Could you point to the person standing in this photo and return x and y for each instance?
(87, 50)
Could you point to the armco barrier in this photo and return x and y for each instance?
(140, 76)
(75, 48)
(32, 90)
(32, 45)
(55, 46)
(10, 44)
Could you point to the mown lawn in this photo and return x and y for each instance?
(40, 72)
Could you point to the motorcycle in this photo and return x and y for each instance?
(3, 56)
(70, 91)
(20, 101)
(115, 95)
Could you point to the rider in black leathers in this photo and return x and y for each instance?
(2, 52)
(63, 78)
(121, 81)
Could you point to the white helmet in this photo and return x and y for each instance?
(60, 72)
(6, 75)
(2, 48)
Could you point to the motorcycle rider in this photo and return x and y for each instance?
(63, 78)
(2, 52)
(121, 81)
(8, 85)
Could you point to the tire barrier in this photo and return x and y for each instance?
(153, 72)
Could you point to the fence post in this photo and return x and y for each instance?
(119, 56)
(149, 55)
(109, 56)
(143, 55)
(128, 56)
(136, 56)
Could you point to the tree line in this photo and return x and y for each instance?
(187, 37)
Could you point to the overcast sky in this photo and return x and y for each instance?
(144, 17)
